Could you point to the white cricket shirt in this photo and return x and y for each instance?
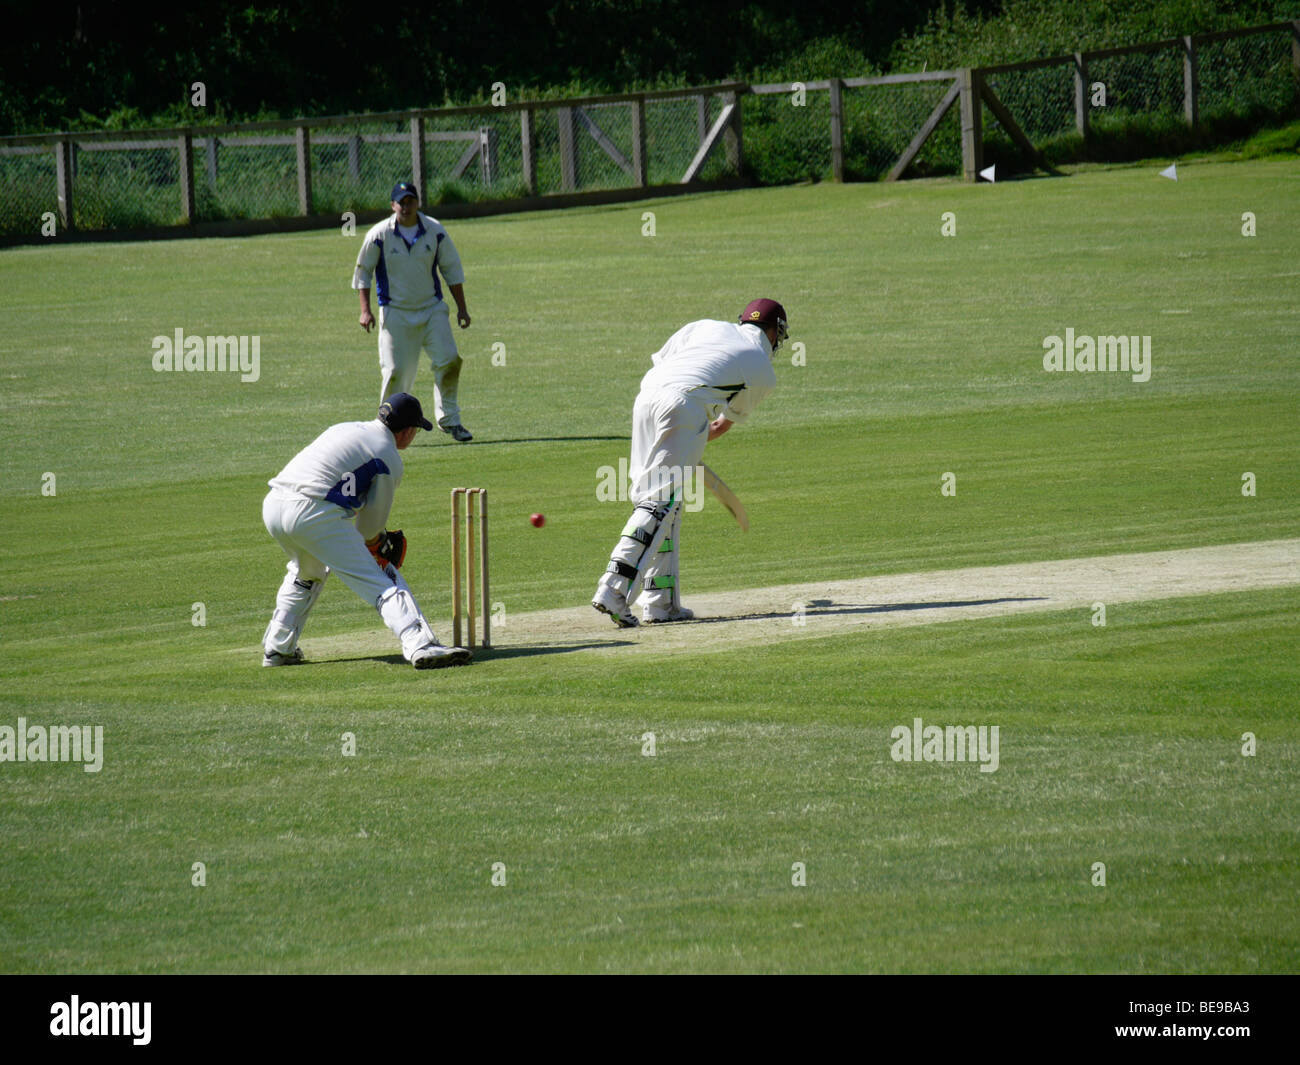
(724, 365)
(405, 274)
(354, 465)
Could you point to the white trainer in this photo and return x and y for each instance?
(608, 601)
(435, 656)
(660, 615)
(275, 658)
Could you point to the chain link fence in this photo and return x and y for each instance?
(1135, 101)
(787, 133)
(353, 165)
(29, 197)
(855, 129)
(1249, 77)
(131, 186)
(142, 181)
(787, 129)
(675, 129)
(881, 120)
(1041, 99)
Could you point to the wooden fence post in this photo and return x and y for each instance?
(1191, 82)
(417, 154)
(303, 140)
(354, 157)
(972, 132)
(1295, 60)
(837, 129)
(569, 170)
(1081, 98)
(735, 137)
(526, 146)
(185, 152)
(640, 167)
(487, 146)
(63, 167)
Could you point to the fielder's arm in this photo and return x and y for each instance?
(367, 318)
(462, 312)
(367, 260)
(718, 427)
(453, 273)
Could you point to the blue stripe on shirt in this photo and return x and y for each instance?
(381, 276)
(364, 476)
(437, 287)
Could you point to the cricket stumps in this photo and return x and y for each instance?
(475, 564)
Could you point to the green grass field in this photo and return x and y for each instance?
(923, 355)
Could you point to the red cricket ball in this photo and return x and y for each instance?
(538, 520)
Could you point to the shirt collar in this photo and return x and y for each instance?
(419, 225)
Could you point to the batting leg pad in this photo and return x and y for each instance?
(401, 614)
(292, 605)
(661, 571)
(640, 539)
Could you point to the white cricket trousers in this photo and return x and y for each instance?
(669, 431)
(402, 334)
(320, 538)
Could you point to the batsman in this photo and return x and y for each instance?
(706, 378)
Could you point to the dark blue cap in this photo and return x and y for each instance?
(403, 189)
(401, 411)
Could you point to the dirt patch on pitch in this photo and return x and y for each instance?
(823, 608)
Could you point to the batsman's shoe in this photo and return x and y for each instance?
(275, 658)
(608, 601)
(659, 615)
(435, 656)
(458, 433)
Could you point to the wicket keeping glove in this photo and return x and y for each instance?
(388, 547)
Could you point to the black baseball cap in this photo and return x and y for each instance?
(401, 411)
(403, 189)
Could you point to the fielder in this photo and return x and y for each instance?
(405, 253)
(327, 509)
(709, 376)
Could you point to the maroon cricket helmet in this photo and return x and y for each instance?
(763, 313)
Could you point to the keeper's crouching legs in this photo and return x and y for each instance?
(402, 615)
(293, 603)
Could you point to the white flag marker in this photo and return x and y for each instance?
(988, 171)
(1171, 172)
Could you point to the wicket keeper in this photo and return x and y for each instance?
(327, 508)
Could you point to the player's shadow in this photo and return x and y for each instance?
(433, 441)
(481, 655)
(813, 608)
(526, 651)
(828, 608)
